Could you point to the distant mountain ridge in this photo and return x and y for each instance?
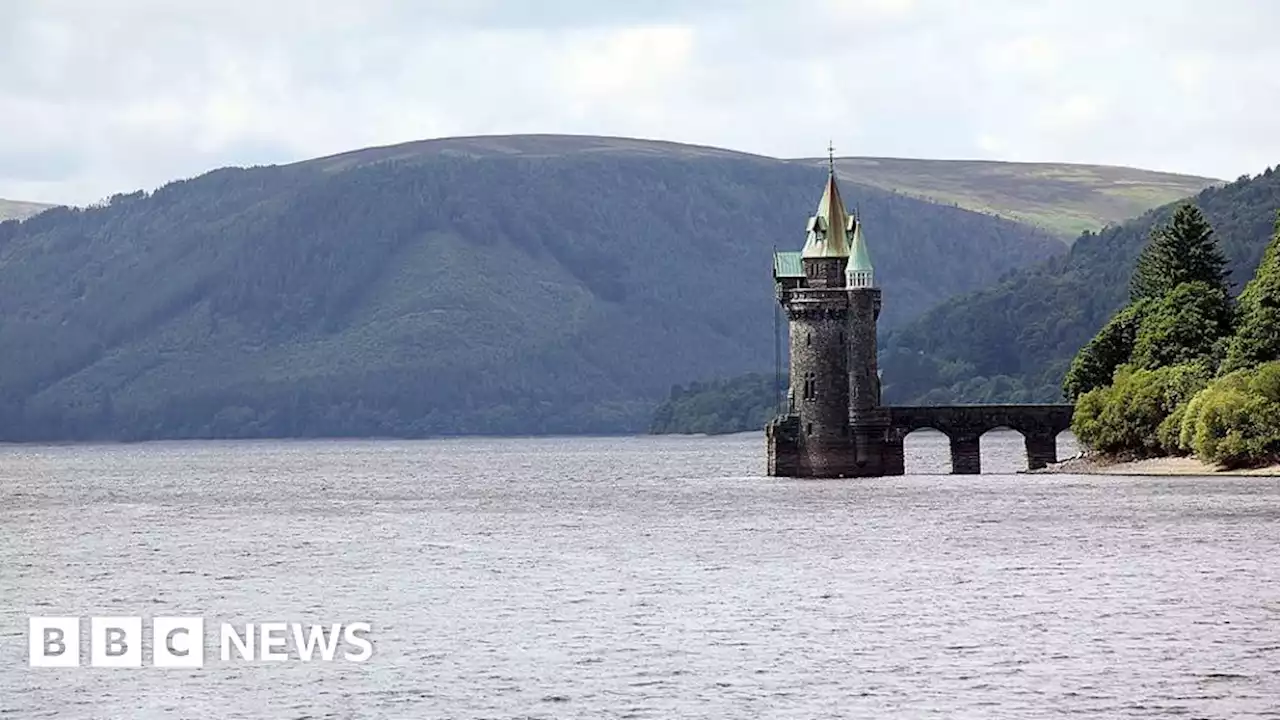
(411, 291)
(18, 209)
(498, 285)
(1062, 198)
(526, 146)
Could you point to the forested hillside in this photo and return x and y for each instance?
(1013, 342)
(737, 404)
(434, 289)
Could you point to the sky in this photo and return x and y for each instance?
(106, 96)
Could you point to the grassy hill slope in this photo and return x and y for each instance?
(434, 288)
(1062, 198)
(17, 209)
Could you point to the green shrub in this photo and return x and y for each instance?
(1235, 421)
(1131, 416)
(1168, 432)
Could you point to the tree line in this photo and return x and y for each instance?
(1014, 340)
(1182, 368)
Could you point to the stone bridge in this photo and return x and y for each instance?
(964, 425)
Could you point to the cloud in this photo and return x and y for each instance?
(1190, 73)
(863, 11)
(1073, 114)
(106, 97)
(632, 69)
(1034, 55)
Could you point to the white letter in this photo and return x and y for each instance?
(231, 637)
(177, 642)
(353, 636)
(115, 641)
(53, 641)
(269, 642)
(316, 637)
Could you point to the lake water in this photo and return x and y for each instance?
(643, 578)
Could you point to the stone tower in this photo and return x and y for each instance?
(834, 424)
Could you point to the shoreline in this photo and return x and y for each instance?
(1151, 467)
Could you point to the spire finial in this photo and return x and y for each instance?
(831, 157)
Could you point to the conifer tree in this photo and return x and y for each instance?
(1112, 347)
(1191, 324)
(1179, 308)
(1182, 251)
(1258, 339)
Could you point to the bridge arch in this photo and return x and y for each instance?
(925, 451)
(964, 426)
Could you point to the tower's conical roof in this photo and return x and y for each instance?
(828, 229)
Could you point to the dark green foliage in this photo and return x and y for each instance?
(1096, 363)
(1030, 325)
(1192, 323)
(1125, 417)
(1160, 403)
(1258, 338)
(1183, 251)
(1235, 421)
(725, 406)
(1163, 347)
(406, 291)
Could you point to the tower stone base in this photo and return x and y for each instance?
(871, 449)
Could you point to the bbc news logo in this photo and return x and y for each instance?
(180, 642)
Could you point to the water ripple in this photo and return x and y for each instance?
(646, 578)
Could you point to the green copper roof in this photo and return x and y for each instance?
(827, 230)
(787, 265)
(859, 258)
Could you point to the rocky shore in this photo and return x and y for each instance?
(1102, 465)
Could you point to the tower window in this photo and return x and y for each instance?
(808, 430)
(810, 386)
(808, 338)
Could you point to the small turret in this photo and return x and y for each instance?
(859, 273)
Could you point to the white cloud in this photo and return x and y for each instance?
(1076, 113)
(635, 70)
(991, 145)
(863, 10)
(105, 97)
(1032, 54)
(1190, 73)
